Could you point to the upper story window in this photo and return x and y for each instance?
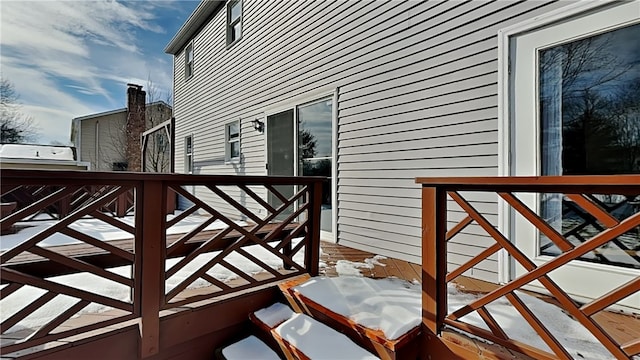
(188, 61)
(188, 154)
(234, 21)
(232, 141)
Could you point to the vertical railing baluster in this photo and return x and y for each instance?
(152, 247)
(434, 258)
(312, 248)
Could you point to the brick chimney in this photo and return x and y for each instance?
(136, 124)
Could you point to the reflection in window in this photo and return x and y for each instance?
(590, 125)
(232, 137)
(315, 149)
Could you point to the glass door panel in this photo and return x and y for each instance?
(315, 146)
(590, 125)
(575, 110)
(280, 154)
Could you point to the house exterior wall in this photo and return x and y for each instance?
(102, 141)
(417, 96)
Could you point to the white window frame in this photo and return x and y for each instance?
(189, 65)
(228, 158)
(508, 89)
(188, 155)
(231, 24)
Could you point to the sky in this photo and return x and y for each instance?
(73, 58)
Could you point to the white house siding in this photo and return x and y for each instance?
(106, 149)
(417, 96)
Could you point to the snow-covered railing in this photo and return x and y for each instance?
(235, 232)
(571, 220)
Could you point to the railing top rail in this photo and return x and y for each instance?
(618, 184)
(63, 177)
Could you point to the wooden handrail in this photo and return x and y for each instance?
(578, 191)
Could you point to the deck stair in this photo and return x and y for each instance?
(400, 344)
(301, 337)
(301, 327)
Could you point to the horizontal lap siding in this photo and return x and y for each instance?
(417, 97)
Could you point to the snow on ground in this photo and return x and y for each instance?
(392, 304)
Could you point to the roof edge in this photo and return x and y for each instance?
(194, 23)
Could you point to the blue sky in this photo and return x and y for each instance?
(73, 58)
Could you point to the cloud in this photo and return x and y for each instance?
(65, 58)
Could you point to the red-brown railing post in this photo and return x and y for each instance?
(150, 253)
(121, 205)
(434, 258)
(312, 248)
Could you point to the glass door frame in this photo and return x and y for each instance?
(294, 104)
(518, 78)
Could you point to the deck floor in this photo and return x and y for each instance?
(621, 327)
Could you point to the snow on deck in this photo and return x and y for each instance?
(375, 303)
(249, 348)
(274, 315)
(319, 341)
(390, 305)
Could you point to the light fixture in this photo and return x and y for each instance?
(258, 125)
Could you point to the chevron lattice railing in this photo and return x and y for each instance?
(53, 270)
(597, 222)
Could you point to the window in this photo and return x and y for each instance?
(188, 154)
(234, 21)
(188, 61)
(232, 141)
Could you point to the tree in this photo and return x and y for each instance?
(15, 127)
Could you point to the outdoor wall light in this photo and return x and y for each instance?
(258, 125)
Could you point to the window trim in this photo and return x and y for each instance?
(188, 156)
(228, 159)
(189, 74)
(230, 24)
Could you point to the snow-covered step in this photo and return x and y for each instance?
(382, 315)
(307, 338)
(268, 318)
(249, 348)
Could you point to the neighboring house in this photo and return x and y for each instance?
(40, 157)
(111, 140)
(373, 94)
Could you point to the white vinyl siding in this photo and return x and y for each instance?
(417, 96)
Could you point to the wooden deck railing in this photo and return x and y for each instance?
(159, 269)
(449, 197)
